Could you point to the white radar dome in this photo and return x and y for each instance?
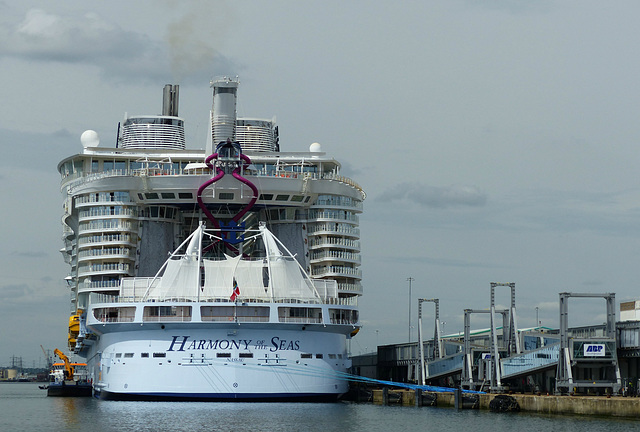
(315, 148)
(90, 138)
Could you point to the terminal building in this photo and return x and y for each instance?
(595, 359)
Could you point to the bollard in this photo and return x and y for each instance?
(385, 396)
(418, 397)
(457, 399)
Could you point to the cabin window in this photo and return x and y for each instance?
(225, 196)
(185, 195)
(343, 316)
(246, 355)
(159, 354)
(223, 355)
(168, 195)
(300, 315)
(282, 197)
(235, 313)
(266, 197)
(167, 313)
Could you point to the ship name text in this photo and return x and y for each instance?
(186, 343)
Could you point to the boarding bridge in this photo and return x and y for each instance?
(531, 362)
(481, 366)
(580, 362)
(519, 365)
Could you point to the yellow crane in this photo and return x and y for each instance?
(67, 366)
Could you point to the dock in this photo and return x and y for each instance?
(588, 370)
(615, 406)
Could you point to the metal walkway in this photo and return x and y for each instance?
(581, 363)
(518, 365)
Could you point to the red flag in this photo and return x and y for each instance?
(236, 290)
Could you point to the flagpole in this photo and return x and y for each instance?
(410, 279)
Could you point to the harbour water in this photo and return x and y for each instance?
(24, 407)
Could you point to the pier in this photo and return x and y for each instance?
(624, 407)
(591, 370)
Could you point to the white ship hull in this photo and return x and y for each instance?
(219, 361)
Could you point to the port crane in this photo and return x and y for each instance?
(67, 365)
(47, 357)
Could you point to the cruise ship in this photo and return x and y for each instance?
(226, 273)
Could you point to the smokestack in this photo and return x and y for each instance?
(170, 100)
(223, 115)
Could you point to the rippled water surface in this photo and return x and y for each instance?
(24, 407)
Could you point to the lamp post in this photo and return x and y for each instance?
(410, 279)
(537, 322)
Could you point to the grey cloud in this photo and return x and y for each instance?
(593, 283)
(515, 7)
(120, 55)
(608, 213)
(62, 133)
(350, 170)
(442, 262)
(43, 150)
(31, 254)
(435, 197)
(13, 292)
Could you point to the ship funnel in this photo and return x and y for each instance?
(164, 131)
(170, 100)
(223, 114)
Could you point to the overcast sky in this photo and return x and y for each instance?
(497, 141)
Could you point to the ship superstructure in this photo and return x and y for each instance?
(126, 209)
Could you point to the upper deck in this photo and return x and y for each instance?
(185, 169)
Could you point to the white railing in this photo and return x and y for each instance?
(332, 241)
(107, 298)
(108, 211)
(300, 320)
(106, 252)
(333, 215)
(75, 180)
(336, 255)
(329, 270)
(332, 228)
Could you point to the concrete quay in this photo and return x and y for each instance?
(604, 406)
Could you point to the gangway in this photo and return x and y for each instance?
(517, 365)
(530, 362)
(580, 363)
(448, 365)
